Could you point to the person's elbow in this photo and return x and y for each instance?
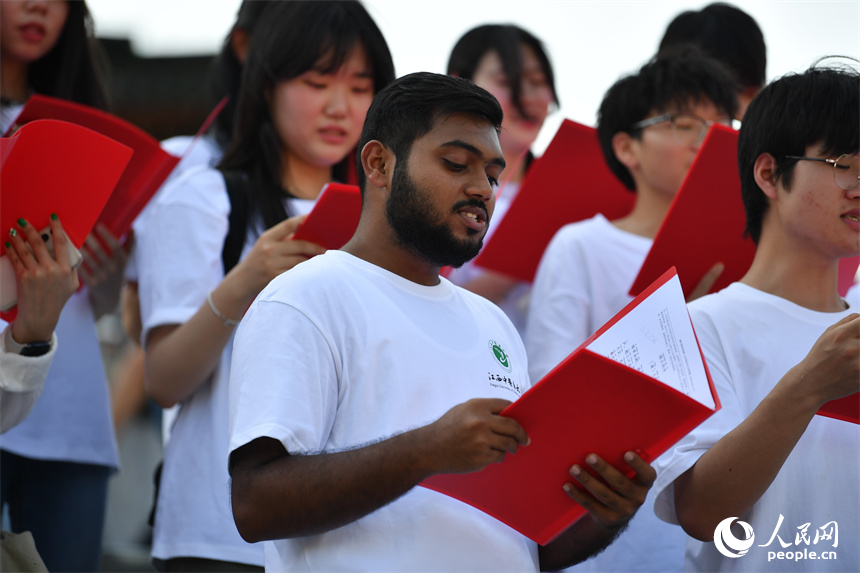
(244, 514)
(692, 512)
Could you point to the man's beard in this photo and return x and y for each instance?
(421, 228)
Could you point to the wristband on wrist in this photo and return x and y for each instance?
(216, 312)
(39, 348)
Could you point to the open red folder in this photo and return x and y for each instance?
(333, 220)
(51, 166)
(149, 167)
(569, 183)
(639, 383)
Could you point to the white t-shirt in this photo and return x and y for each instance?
(22, 379)
(582, 282)
(338, 353)
(750, 340)
(516, 302)
(72, 419)
(180, 263)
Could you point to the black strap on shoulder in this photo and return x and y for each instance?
(237, 190)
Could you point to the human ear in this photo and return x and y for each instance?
(764, 170)
(239, 41)
(623, 146)
(377, 162)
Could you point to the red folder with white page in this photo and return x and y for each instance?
(570, 182)
(333, 220)
(149, 166)
(51, 166)
(639, 383)
(705, 225)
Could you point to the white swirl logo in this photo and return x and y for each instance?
(726, 542)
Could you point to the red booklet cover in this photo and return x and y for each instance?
(705, 224)
(149, 167)
(333, 220)
(569, 183)
(639, 383)
(694, 243)
(51, 166)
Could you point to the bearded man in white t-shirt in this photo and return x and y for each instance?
(765, 484)
(361, 372)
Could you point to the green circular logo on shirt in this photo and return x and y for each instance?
(500, 355)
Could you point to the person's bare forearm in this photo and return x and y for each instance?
(300, 495)
(276, 495)
(180, 358)
(733, 474)
(730, 477)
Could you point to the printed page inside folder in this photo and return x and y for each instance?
(656, 338)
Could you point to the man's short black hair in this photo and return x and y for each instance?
(409, 107)
(668, 82)
(725, 33)
(820, 106)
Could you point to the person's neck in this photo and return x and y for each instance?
(647, 215)
(376, 244)
(304, 180)
(796, 273)
(13, 81)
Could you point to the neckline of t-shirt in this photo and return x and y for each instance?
(440, 291)
(627, 235)
(786, 305)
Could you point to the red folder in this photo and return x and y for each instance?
(705, 223)
(569, 183)
(51, 166)
(149, 167)
(588, 403)
(333, 220)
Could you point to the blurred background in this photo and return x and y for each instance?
(159, 52)
(159, 49)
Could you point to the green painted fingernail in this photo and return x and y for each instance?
(22, 223)
(12, 232)
(8, 244)
(53, 216)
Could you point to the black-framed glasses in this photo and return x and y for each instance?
(689, 129)
(846, 168)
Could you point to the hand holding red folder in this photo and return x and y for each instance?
(639, 383)
(334, 218)
(57, 167)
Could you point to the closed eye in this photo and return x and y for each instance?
(456, 167)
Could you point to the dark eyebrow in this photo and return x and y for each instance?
(473, 150)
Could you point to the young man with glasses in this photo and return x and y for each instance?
(650, 125)
(780, 343)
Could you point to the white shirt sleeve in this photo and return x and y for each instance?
(560, 308)
(179, 250)
(22, 379)
(691, 447)
(283, 379)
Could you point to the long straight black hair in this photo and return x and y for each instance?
(291, 38)
(72, 69)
